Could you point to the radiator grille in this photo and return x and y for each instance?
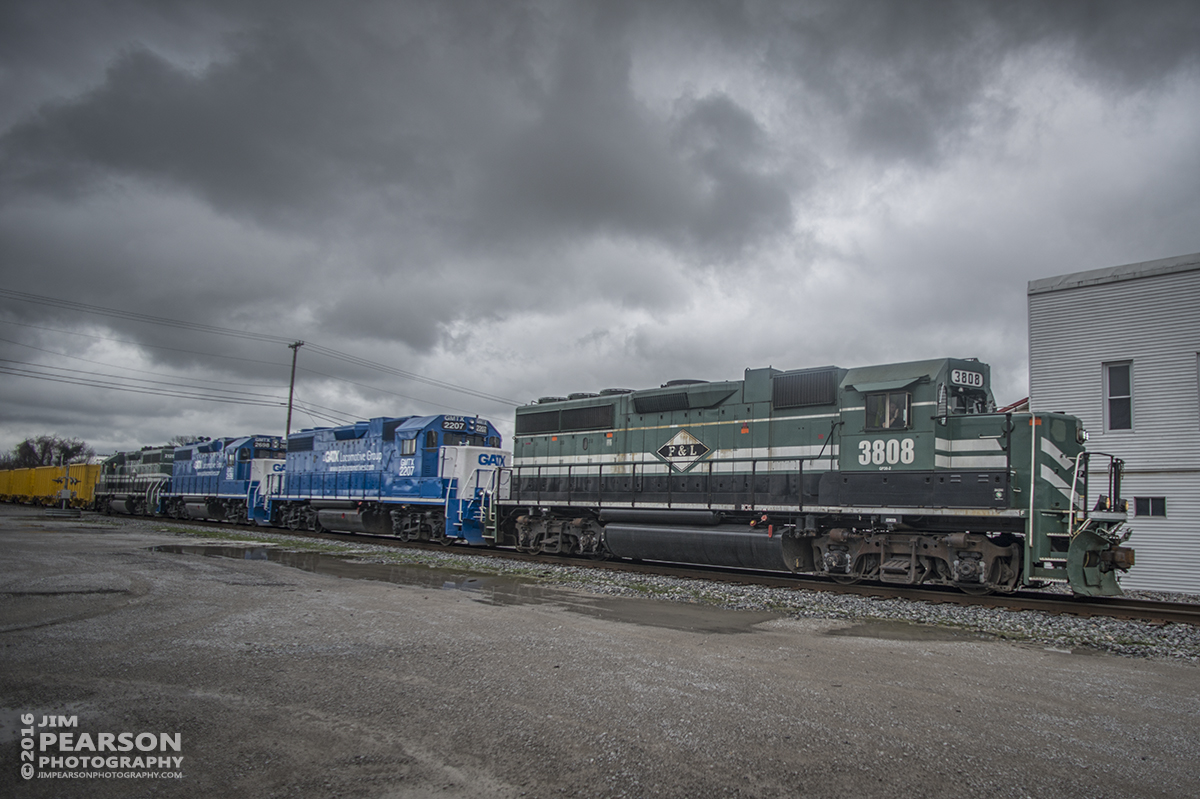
(799, 389)
(596, 417)
(300, 444)
(540, 422)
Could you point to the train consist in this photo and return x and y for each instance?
(420, 478)
(902, 473)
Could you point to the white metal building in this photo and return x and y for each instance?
(1120, 348)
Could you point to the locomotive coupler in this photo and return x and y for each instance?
(1116, 558)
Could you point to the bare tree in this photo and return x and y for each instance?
(47, 451)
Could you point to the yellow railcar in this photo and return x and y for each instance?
(20, 485)
(42, 485)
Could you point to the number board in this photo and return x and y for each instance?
(963, 377)
(462, 424)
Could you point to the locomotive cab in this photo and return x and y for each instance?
(469, 473)
(900, 442)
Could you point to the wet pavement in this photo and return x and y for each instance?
(496, 589)
(311, 675)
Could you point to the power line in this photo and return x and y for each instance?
(354, 359)
(180, 394)
(130, 368)
(310, 410)
(223, 331)
(171, 384)
(444, 405)
(140, 317)
(140, 344)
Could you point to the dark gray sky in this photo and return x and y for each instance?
(540, 198)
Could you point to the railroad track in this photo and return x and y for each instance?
(1107, 607)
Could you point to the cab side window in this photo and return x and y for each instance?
(408, 446)
(431, 439)
(888, 411)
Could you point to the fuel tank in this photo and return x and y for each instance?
(722, 545)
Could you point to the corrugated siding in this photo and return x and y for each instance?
(1168, 549)
(1155, 323)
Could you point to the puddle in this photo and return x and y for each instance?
(904, 631)
(499, 589)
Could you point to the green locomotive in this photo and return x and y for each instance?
(902, 473)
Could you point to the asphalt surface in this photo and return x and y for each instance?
(277, 681)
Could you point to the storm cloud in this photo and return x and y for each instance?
(537, 198)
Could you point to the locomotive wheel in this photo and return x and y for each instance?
(974, 590)
(845, 579)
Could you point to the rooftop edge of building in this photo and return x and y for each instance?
(1115, 274)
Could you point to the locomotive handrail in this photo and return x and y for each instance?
(1082, 463)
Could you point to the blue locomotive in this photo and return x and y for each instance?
(419, 478)
(221, 479)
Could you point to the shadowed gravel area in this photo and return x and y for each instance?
(282, 681)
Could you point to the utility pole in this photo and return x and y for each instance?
(295, 348)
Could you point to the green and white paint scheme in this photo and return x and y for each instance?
(900, 473)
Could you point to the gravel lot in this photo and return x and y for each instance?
(464, 677)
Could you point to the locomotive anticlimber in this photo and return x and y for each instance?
(902, 473)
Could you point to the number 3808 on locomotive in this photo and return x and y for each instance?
(903, 473)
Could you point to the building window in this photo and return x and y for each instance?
(1118, 393)
(888, 411)
(1150, 506)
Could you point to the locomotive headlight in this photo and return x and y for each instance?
(1081, 435)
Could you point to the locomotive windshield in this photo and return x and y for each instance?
(967, 401)
(463, 440)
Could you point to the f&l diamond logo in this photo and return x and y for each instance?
(682, 451)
